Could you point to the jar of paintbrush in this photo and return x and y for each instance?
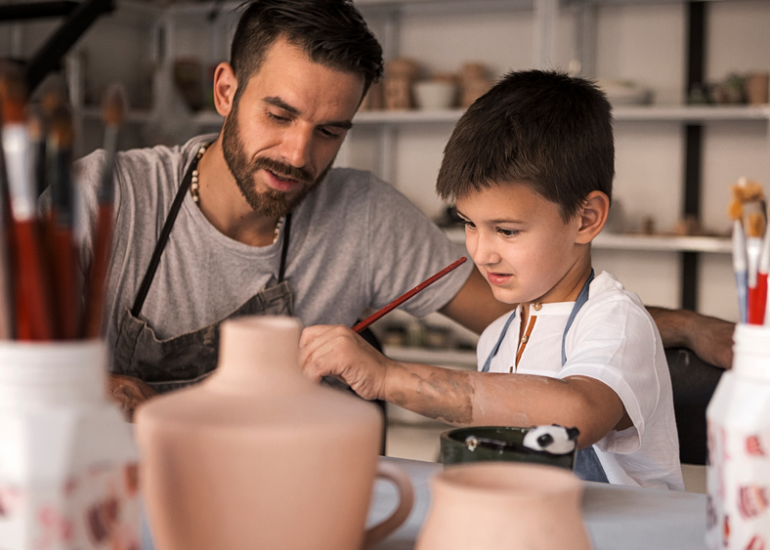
(738, 416)
(68, 464)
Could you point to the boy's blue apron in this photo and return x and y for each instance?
(587, 465)
(177, 362)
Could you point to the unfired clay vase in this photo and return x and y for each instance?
(258, 456)
(504, 506)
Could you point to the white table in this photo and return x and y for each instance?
(617, 518)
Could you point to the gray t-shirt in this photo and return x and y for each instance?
(355, 243)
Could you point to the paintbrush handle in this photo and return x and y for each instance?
(757, 300)
(32, 282)
(66, 302)
(742, 285)
(95, 293)
(398, 301)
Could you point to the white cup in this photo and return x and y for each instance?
(432, 95)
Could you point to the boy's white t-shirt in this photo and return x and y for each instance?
(612, 339)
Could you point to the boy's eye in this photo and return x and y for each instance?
(508, 232)
(468, 223)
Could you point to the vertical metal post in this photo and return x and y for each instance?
(696, 64)
(584, 63)
(546, 15)
(388, 133)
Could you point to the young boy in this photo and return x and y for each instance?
(530, 166)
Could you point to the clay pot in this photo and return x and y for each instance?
(756, 88)
(504, 506)
(258, 456)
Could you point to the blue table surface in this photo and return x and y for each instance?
(616, 517)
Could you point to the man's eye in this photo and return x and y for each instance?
(277, 118)
(331, 134)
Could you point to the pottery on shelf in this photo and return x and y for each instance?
(502, 505)
(258, 456)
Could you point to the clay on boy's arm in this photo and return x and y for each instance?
(474, 306)
(461, 398)
(464, 398)
(709, 338)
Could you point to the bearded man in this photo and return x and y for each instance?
(254, 220)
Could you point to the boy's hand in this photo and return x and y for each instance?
(338, 351)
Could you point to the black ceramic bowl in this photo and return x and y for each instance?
(496, 443)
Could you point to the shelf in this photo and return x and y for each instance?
(658, 243)
(662, 243)
(655, 113)
(132, 117)
(445, 358)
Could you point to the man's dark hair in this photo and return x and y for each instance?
(545, 129)
(331, 32)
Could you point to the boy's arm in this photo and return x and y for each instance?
(463, 398)
(475, 307)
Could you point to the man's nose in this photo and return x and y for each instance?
(296, 145)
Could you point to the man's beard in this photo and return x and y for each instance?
(270, 202)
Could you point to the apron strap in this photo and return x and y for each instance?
(285, 247)
(495, 349)
(588, 467)
(149, 275)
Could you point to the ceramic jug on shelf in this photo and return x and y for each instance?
(504, 505)
(258, 456)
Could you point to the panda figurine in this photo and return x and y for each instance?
(552, 439)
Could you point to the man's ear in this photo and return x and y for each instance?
(592, 216)
(225, 85)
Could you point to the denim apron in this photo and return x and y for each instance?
(174, 363)
(587, 465)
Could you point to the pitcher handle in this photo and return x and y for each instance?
(395, 475)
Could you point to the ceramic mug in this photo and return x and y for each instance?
(503, 505)
(394, 474)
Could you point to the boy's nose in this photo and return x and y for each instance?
(482, 249)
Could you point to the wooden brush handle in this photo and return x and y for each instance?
(32, 282)
(64, 254)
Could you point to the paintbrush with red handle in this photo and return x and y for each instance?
(398, 301)
(7, 303)
(30, 277)
(62, 247)
(113, 112)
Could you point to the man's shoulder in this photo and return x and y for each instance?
(350, 187)
(140, 161)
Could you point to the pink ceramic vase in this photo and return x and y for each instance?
(504, 506)
(258, 456)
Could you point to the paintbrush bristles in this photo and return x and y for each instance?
(114, 106)
(13, 94)
(755, 226)
(61, 133)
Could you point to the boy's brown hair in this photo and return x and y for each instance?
(546, 129)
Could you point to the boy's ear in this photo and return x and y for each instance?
(592, 216)
(225, 85)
